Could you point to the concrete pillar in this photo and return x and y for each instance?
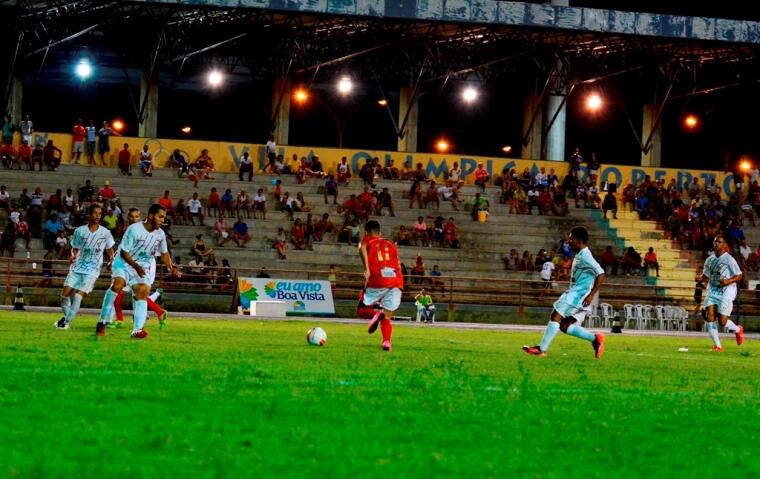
(281, 91)
(149, 86)
(408, 142)
(532, 149)
(653, 157)
(14, 106)
(555, 138)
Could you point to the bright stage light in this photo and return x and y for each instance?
(83, 69)
(117, 125)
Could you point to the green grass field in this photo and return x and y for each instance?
(252, 399)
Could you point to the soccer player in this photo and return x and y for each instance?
(89, 243)
(133, 216)
(586, 277)
(722, 273)
(383, 281)
(135, 266)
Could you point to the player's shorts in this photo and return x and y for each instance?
(103, 147)
(388, 298)
(81, 282)
(91, 147)
(567, 310)
(122, 270)
(144, 165)
(724, 302)
(78, 147)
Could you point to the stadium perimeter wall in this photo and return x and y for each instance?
(226, 155)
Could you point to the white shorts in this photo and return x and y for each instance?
(388, 298)
(725, 302)
(80, 281)
(128, 273)
(567, 310)
(78, 147)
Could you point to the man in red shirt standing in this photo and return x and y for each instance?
(650, 261)
(77, 138)
(125, 160)
(383, 281)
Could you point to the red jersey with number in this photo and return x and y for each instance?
(384, 267)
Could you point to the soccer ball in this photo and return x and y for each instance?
(316, 336)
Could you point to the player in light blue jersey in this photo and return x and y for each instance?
(722, 273)
(88, 245)
(135, 266)
(586, 277)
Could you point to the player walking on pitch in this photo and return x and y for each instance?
(722, 273)
(89, 243)
(586, 277)
(133, 216)
(135, 266)
(383, 281)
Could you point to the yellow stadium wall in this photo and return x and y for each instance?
(226, 154)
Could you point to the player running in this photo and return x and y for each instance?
(135, 266)
(133, 216)
(722, 273)
(89, 243)
(572, 307)
(383, 281)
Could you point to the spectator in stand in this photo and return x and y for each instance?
(317, 169)
(221, 231)
(200, 248)
(27, 129)
(243, 203)
(24, 155)
(734, 234)
(299, 204)
(263, 273)
(125, 160)
(545, 201)
(288, 204)
(8, 129)
(546, 273)
(420, 232)
(481, 176)
(431, 195)
(385, 200)
(745, 255)
(402, 237)
(8, 155)
(367, 173)
(650, 261)
(271, 150)
(390, 172)
(228, 203)
(449, 192)
(47, 271)
(479, 204)
(593, 168)
(62, 246)
(331, 189)
(52, 156)
(418, 270)
(746, 211)
(694, 190)
(260, 204)
(214, 200)
(23, 231)
(323, 226)
(91, 134)
(280, 167)
(180, 213)
(455, 175)
(532, 199)
(86, 192)
(8, 239)
(50, 231)
(576, 165)
(146, 161)
(107, 192)
(450, 234)
(642, 205)
(435, 281)
(581, 194)
(519, 204)
(609, 204)
(204, 165)
(631, 262)
(167, 203)
(298, 235)
(179, 162)
(511, 260)
(240, 234)
(609, 260)
(78, 135)
(104, 135)
(5, 198)
(343, 171)
(110, 221)
(195, 210)
(246, 166)
(280, 243)
(593, 196)
(415, 193)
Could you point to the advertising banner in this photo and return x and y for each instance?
(302, 297)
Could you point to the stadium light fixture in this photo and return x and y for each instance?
(442, 145)
(300, 95)
(345, 85)
(745, 165)
(117, 125)
(507, 149)
(691, 121)
(215, 78)
(469, 94)
(594, 102)
(186, 130)
(83, 69)
(382, 102)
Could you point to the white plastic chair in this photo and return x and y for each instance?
(630, 315)
(647, 315)
(608, 314)
(593, 319)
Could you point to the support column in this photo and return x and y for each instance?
(149, 95)
(653, 156)
(408, 142)
(555, 138)
(531, 150)
(281, 91)
(15, 99)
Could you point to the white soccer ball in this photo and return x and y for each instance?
(316, 336)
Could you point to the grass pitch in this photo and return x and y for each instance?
(252, 399)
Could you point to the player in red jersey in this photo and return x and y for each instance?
(383, 281)
(133, 216)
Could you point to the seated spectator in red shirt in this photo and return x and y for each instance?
(298, 235)
(125, 158)
(167, 203)
(481, 176)
(8, 154)
(52, 156)
(609, 259)
(418, 270)
(213, 201)
(450, 234)
(24, 155)
(107, 192)
(631, 262)
(545, 201)
(323, 226)
(650, 261)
